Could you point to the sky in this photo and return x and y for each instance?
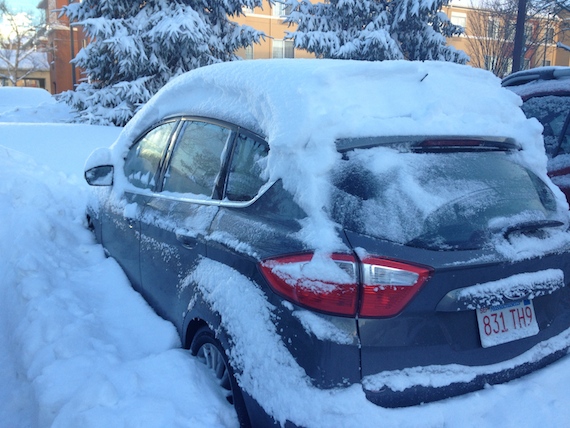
(28, 6)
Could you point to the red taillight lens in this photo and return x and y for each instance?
(388, 286)
(333, 290)
(385, 286)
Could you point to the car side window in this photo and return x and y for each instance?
(244, 178)
(197, 158)
(144, 157)
(552, 112)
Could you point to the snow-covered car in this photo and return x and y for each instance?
(385, 229)
(15, 97)
(546, 96)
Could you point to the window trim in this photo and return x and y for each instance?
(218, 198)
(162, 160)
(230, 157)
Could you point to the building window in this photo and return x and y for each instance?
(549, 35)
(489, 62)
(501, 68)
(528, 31)
(458, 18)
(526, 64)
(493, 29)
(283, 49)
(510, 30)
(280, 9)
(249, 52)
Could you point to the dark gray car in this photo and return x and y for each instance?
(447, 253)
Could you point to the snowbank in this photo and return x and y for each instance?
(31, 105)
(79, 346)
(64, 147)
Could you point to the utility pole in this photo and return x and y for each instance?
(519, 36)
(72, 45)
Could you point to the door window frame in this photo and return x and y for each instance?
(218, 195)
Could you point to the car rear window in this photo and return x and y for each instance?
(440, 201)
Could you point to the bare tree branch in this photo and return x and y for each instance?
(21, 54)
(491, 33)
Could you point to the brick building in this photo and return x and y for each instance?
(62, 47)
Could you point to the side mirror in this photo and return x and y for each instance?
(100, 175)
(99, 168)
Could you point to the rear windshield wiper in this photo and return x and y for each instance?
(531, 226)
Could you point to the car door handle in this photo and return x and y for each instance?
(187, 242)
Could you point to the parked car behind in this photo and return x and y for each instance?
(323, 225)
(546, 96)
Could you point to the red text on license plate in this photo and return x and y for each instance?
(507, 322)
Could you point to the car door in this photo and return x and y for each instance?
(176, 220)
(122, 211)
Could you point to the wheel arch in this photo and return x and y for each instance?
(192, 328)
(200, 314)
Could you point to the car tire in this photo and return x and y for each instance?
(210, 351)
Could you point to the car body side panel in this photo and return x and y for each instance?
(298, 327)
(172, 241)
(120, 235)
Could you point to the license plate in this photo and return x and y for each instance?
(507, 322)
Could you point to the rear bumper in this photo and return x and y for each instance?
(413, 386)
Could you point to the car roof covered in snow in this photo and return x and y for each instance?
(539, 81)
(304, 98)
(303, 107)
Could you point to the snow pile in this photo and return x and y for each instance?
(12, 97)
(80, 347)
(31, 105)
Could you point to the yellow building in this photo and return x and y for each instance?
(489, 36)
(33, 70)
(269, 19)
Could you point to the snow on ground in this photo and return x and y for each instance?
(80, 348)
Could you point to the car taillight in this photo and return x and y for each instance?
(388, 286)
(291, 277)
(383, 289)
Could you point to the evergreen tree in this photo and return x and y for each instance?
(139, 45)
(374, 30)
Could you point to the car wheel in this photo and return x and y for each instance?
(209, 351)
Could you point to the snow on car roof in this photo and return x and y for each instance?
(12, 97)
(301, 106)
(295, 101)
(542, 87)
(343, 98)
